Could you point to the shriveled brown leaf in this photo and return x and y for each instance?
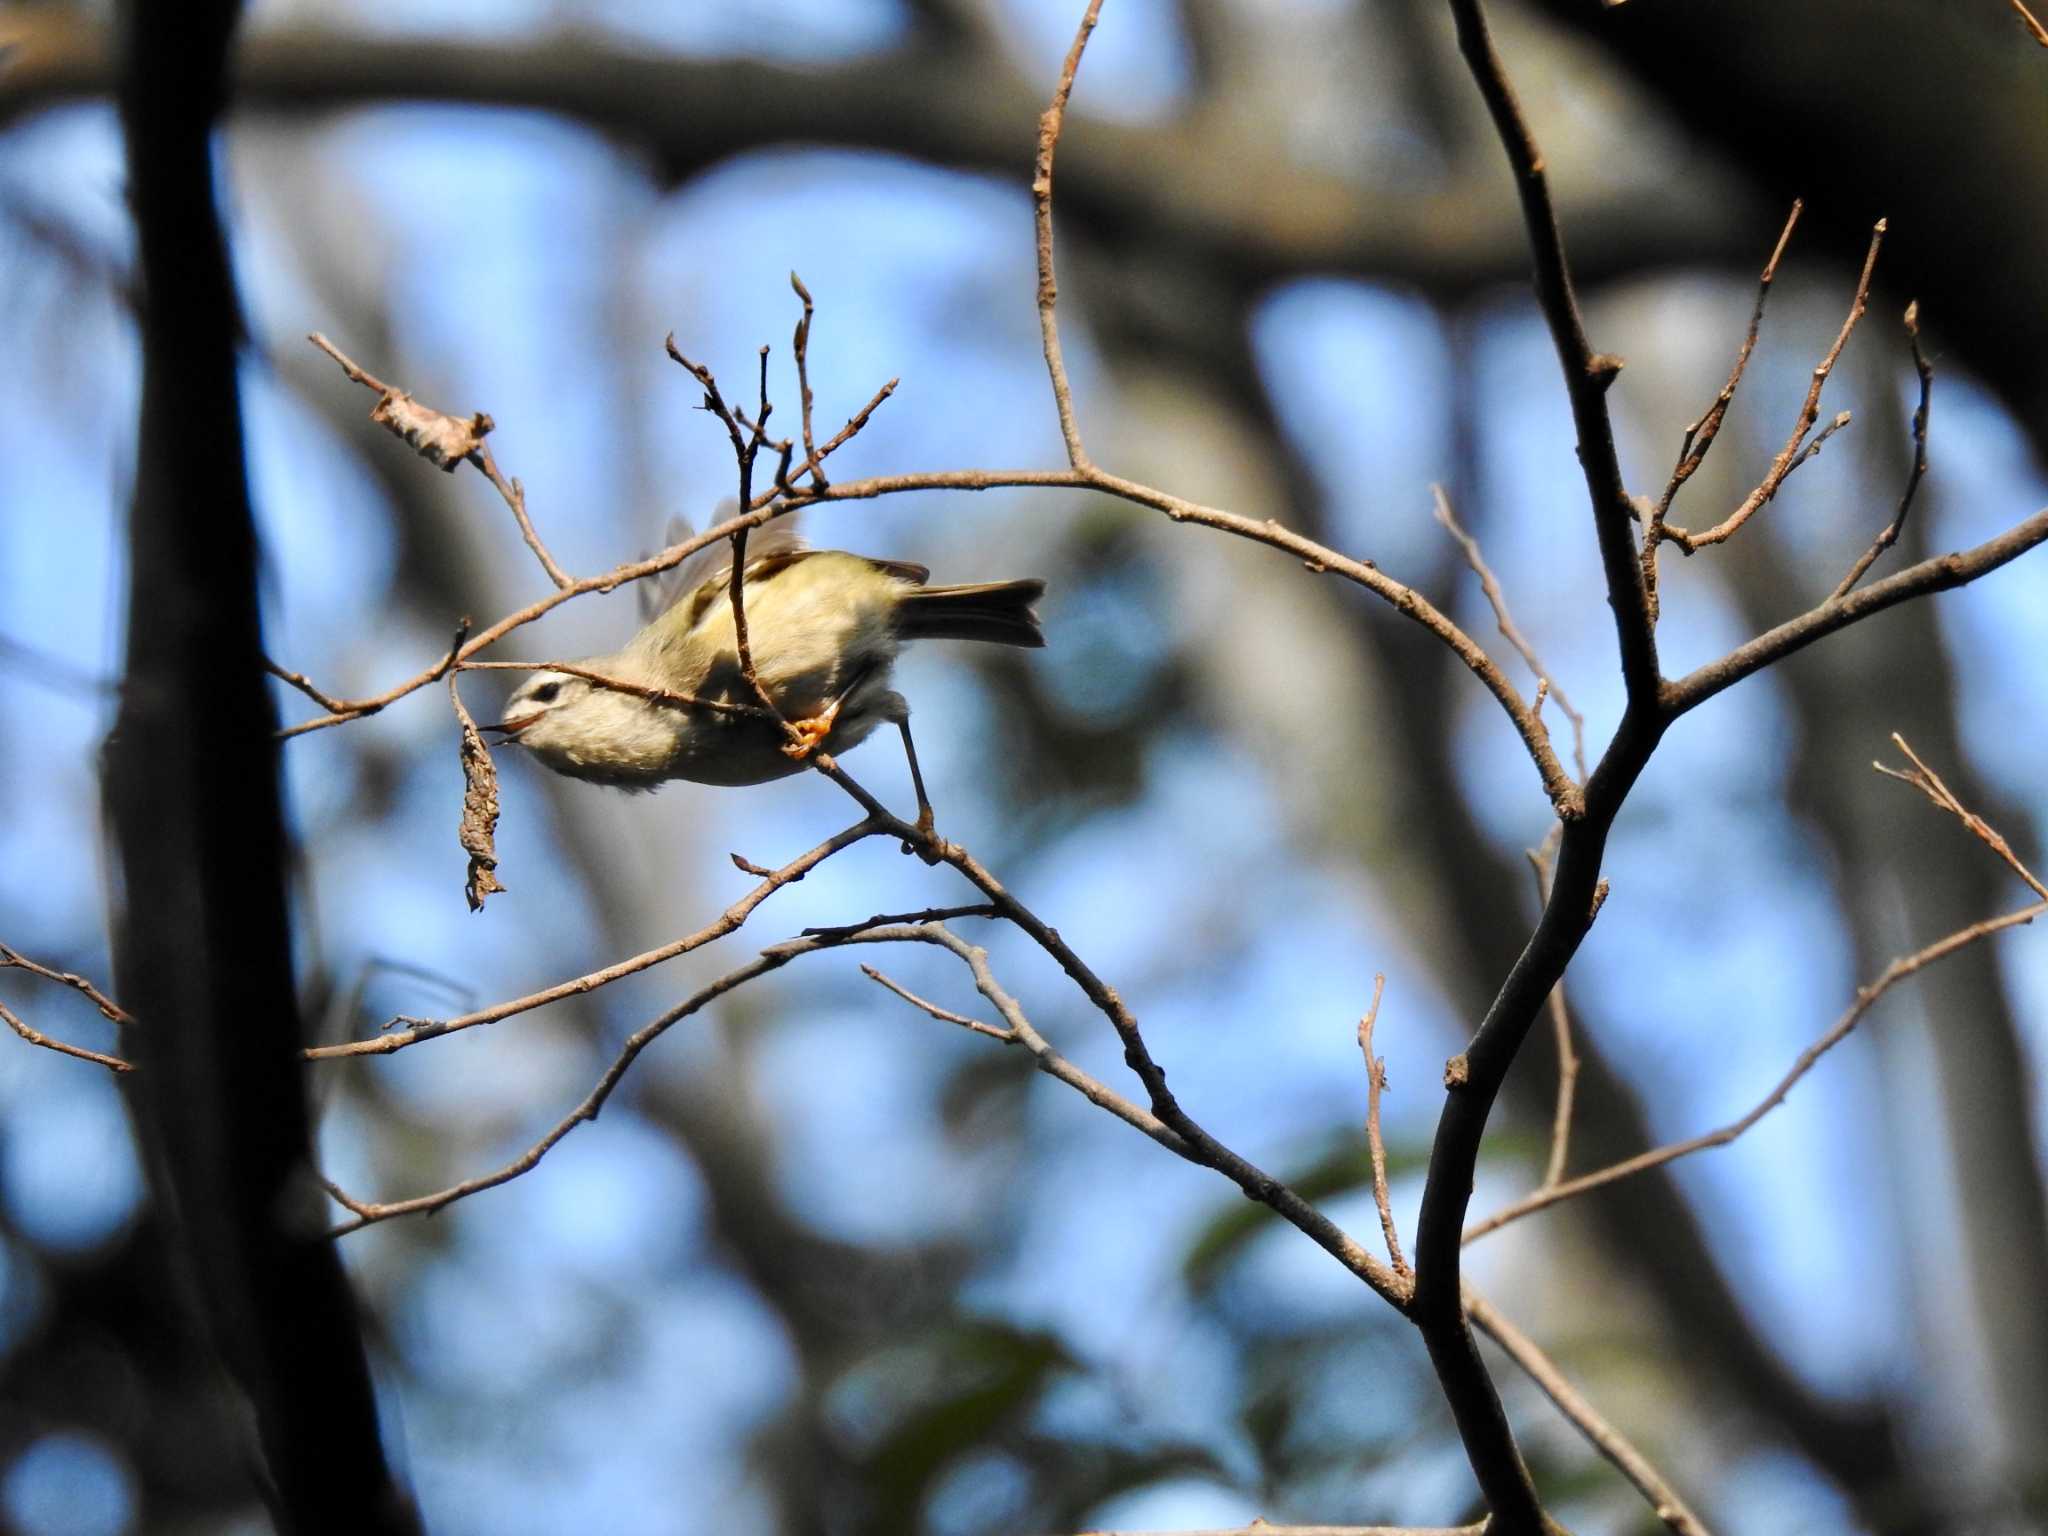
(479, 808)
(442, 440)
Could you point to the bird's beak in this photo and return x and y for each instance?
(510, 728)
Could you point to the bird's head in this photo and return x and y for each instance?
(588, 731)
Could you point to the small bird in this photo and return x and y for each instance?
(823, 630)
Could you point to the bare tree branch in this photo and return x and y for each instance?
(446, 441)
(1938, 573)
(1890, 535)
(2031, 23)
(111, 1011)
(926, 1005)
(1318, 558)
(726, 922)
(1797, 449)
(1605, 1438)
(1018, 1032)
(1928, 782)
(34, 1036)
(1375, 1084)
(1049, 124)
(1897, 971)
(1587, 374)
(1699, 436)
(1561, 1030)
(1497, 599)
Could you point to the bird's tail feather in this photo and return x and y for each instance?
(995, 611)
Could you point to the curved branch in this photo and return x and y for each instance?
(1605, 1438)
(726, 922)
(1320, 559)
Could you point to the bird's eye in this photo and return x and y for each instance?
(545, 693)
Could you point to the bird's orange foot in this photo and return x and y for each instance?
(810, 732)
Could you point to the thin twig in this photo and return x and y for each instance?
(854, 423)
(1890, 535)
(1796, 450)
(667, 697)
(618, 576)
(341, 711)
(1567, 1086)
(1174, 1126)
(1019, 1029)
(1561, 1034)
(801, 346)
(902, 919)
(746, 445)
(326, 701)
(726, 922)
(36, 1037)
(1642, 1162)
(773, 958)
(515, 498)
(1699, 436)
(13, 959)
(1405, 600)
(943, 1015)
(1049, 126)
(2027, 19)
(1375, 1084)
(1605, 1438)
(1049, 1061)
(1490, 585)
(1937, 573)
(366, 1212)
(446, 441)
(1931, 784)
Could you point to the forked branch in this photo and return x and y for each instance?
(1930, 783)
(1798, 449)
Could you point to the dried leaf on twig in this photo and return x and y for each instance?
(442, 440)
(479, 808)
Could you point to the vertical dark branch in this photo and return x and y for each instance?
(203, 940)
(1587, 374)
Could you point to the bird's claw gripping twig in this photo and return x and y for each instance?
(809, 732)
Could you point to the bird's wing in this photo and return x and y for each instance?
(658, 594)
(909, 570)
(711, 567)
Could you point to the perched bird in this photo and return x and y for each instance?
(823, 629)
